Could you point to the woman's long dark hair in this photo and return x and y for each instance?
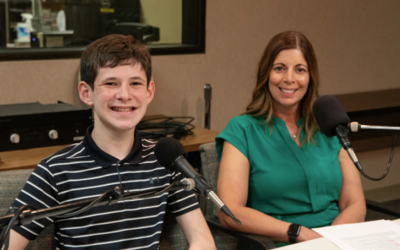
(262, 105)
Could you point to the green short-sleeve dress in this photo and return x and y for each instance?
(293, 184)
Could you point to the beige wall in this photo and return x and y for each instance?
(356, 42)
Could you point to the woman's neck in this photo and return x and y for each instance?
(290, 115)
(116, 143)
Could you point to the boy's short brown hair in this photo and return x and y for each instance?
(111, 51)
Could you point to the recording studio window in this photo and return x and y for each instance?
(47, 29)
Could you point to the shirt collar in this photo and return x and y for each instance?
(105, 160)
(278, 121)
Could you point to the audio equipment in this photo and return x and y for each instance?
(32, 125)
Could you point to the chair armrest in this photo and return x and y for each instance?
(375, 206)
(260, 241)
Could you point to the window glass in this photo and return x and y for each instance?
(39, 29)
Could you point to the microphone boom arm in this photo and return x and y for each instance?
(71, 209)
(355, 127)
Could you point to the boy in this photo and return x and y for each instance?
(115, 72)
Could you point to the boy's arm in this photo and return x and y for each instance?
(195, 228)
(17, 241)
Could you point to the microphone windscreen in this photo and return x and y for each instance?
(329, 114)
(167, 150)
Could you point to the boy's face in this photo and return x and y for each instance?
(120, 97)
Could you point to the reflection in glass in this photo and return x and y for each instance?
(76, 23)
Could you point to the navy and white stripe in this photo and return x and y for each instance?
(83, 171)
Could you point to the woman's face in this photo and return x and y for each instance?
(288, 80)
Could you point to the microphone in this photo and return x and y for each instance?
(333, 120)
(171, 154)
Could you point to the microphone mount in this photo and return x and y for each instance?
(342, 132)
(355, 127)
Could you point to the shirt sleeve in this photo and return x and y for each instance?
(39, 191)
(180, 201)
(234, 133)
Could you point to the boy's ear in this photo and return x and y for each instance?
(85, 93)
(150, 91)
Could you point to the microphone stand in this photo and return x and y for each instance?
(207, 109)
(71, 209)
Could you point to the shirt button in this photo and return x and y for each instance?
(125, 177)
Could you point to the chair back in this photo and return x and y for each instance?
(210, 169)
(11, 183)
(172, 236)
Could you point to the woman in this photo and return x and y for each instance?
(278, 174)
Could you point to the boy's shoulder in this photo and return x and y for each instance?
(70, 152)
(77, 153)
(147, 144)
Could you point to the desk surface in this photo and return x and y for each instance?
(321, 243)
(29, 158)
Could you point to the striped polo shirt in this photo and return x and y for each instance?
(82, 171)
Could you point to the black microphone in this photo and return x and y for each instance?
(333, 120)
(170, 153)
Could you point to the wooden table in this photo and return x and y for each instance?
(29, 158)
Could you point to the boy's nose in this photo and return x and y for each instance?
(123, 92)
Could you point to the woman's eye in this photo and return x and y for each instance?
(301, 70)
(278, 68)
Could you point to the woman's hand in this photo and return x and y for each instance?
(307, 234)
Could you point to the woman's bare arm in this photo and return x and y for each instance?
(233, 184)
(351, 201)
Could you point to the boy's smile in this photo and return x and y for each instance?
(120, 97)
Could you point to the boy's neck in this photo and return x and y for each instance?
(115, 143)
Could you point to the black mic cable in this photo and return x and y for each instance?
(342, 132)
(159, 127)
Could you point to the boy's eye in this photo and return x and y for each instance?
(110, 83)
(136, 83)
